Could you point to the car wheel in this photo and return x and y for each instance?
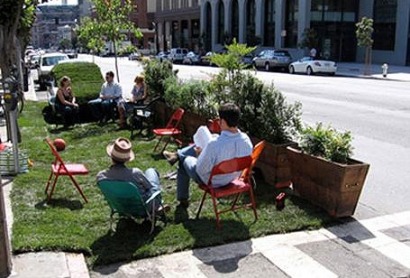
(332, 73)
(291, 70)
(267, 67)
(309, 71)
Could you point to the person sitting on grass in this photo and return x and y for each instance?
(196, 163)
(120, 152)
(102, 108)
(65, 102)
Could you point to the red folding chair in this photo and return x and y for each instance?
(59, 168)
(235, 188)
(171, 130)
(214, 126)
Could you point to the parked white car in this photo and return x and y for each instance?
(47, 62)
(311, 66)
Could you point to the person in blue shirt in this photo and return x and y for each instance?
(196, 163)
(110, 96)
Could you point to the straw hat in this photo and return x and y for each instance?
(121, 150)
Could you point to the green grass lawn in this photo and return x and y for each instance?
(69, 224)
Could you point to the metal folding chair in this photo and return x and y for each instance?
(59, 168)
(171, 130)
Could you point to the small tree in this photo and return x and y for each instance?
(111, 22)
(309, 39)
(364, 31)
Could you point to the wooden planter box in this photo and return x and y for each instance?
(333, 186)
(273, 162)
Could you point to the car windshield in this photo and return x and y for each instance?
(282, 53)
(51, 61)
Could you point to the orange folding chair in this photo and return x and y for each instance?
(247, 173)
(214, 126)
(171, 130)
(59, 168)
(235, 188)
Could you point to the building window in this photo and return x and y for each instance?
(184, 3)
(269, 28)
(166, 5)
(251, 38)
(159, 5)
(175, 5)
(235, 19)
(194, 3)
(384, 16)
(291, 23)
(221, 18)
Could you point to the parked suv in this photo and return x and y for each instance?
(177, 55)
(46, 63)
(270, 59)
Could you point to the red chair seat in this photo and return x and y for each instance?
(166, 131)
(235, 187)
(74, 169)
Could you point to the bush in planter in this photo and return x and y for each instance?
(155, 73)
(193, 96)
(326, 142)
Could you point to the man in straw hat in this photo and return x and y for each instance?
(121, 152)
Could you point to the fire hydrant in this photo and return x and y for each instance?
(385, 67)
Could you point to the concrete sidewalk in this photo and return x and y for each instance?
(396, 73)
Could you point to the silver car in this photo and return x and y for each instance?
(191, 59)
(270, 59)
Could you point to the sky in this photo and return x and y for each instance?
(58, 2)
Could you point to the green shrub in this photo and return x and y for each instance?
(193, 96)
(156, 73)
(86, 79)
(326, 142)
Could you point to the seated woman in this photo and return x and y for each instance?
(139, 94)
(65, 102)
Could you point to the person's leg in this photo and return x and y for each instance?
(153, 177)
(186, 171)
(121, 114)
(185, 152)
(95, 107)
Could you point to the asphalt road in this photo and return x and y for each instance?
(377, 113)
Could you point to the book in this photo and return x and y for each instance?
(202, 136)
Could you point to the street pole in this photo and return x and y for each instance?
(5, 260)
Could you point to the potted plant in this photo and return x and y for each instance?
(323, 171)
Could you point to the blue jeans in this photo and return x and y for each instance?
(186, 171)
(152, 176)
(102, 108)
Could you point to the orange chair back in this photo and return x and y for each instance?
(214, 126)
(230, 166)
(175, 118)
(257, 150)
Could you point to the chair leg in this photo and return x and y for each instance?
(168, 139)
(159, 141)
(48, 182)
(78, 188)
(218, 225)
(253, 203)
(52, 188)
(200, 206)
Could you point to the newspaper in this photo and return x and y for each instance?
(202, 137)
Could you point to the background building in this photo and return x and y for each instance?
(281, 24)
(53, 23)
(178, 24)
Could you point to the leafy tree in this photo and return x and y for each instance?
(16, 19)
(65, 44)
(364, 31)
(309, 39)
(111, 23)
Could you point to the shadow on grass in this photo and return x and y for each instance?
(60, 203)
(223, 258)
(120, 245)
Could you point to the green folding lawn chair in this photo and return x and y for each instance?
(124, 198)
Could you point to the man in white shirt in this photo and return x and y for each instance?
(103, 107)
